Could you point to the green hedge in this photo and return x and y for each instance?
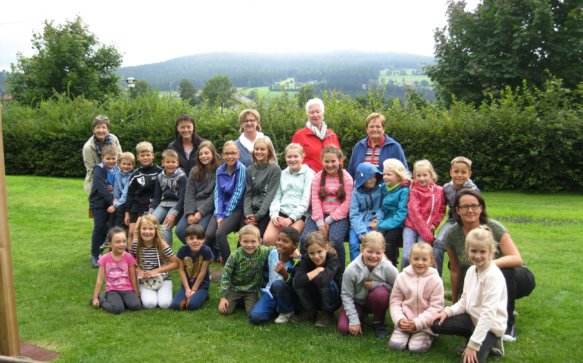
(523, 140)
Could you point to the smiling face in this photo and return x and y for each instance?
(231, 155)
(317, 254)
(194, 243)
(315, 115)
(391, 178)
(185, 128)
(126, 165)
(260, 152)
(170, 164)
(284, 245)
(101, 131)
(249, 243)
(294, 160)
(421, 260)
(423, 176)
(375, 130)
(479, 253)
(147, 233)
(205, 155)
(146, 158)
(372, 256)
(118, 243)
(469, 210)
(249, 123)
(109, 161)
(331, 163)
(460, 173)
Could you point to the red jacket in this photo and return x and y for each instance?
(426, 208)
(313, 146)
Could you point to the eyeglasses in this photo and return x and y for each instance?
(230, 153)
(251, 121)
(467, 207)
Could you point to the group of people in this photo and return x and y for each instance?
(290, 259)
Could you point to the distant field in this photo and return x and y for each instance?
(265, 92)
(403, 79)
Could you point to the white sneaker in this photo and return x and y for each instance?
(283, 318)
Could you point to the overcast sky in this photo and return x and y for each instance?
(155, 31)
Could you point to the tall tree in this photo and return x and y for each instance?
(68, 60)
(305, 94)
(140, 88)
(218, 91)
(187, 91)
(503, 42)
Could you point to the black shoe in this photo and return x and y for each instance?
(497, 349)
(381, 330)
(94, 262)
(510, 335)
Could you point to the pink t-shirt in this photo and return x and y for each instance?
(117, 272)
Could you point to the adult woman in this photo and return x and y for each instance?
(93, 146)
(376, 147)
(469, 213)
(316, 135)
(250, 129)
(186, 142)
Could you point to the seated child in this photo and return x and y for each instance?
(364, 205)
(416, 297)
(317, 280)
(126, 163)
(118, 269)
(168, 200)
(366, 286)
(193, 265)
(243, 272)
(278, 296)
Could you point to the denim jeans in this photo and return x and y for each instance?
(353, 244)
(196, 301)
(160, 213)
(410, 236)
(282, 299)
(439, 244)
(183, 223)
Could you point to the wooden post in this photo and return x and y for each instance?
(9, 340)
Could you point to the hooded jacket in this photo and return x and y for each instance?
(390, 149)
(425, 209)
(169, 191)
(393, 209)
(365, 203)
(417, 297)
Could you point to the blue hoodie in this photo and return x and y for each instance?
(365, 203)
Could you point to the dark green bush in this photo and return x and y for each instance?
(522, 140)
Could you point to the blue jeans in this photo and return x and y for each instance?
(354, 244)
(326, 298)
(283, 300)
(196, 300)
(336, 235)
(410, 236)
(183, 223)
(160, 213)
(439, 244)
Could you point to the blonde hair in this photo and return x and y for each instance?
(169, 153)
(250, 230)
(422, 247)
(143, 147)
(230, 143)
(397, 167)
(108, 150)
(482, 234)
(374, 116)
(294, 146)
(425, 164)
(244, 114)
(268, 145)
(126, 155)
(462, 160)
(374, 240)
(150, 219)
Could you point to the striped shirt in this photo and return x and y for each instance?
(331, 205)
(244, 273)
(149, 259)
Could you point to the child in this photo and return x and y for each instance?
(425, 209)
(193, 265)
(331, 193)
(460, 172)
(278, 296)
(101, 199)
(168, 200)
(366, 286)
(416, 297)
(126, 163)
(292, 199)
(393, 211)
(364, 204)
(155, 258)
(317, 280)
(480, 314)
(228, 194)
(141, 186)
(262, 182)
(118, 269)
(243, 272)
(199, 201)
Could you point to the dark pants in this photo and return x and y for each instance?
(102, 222)
(325, 298)
(393, 239)
(217, 235)
(283, 299)
(377, 303)
(115, 302)
(519, 283)
(462, 325)
(336, 235)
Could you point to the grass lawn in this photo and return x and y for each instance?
(50, 235)
(403, 79)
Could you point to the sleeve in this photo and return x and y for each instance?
(117, 187)
(100, 184)
(157, 194)
(190, 193)
(301, 277)
(219, 198)
(491, 293)
(342, 211)
(227, 274)
(355, 159)
(272, 184)
(116, 144)
(207, 254)
(248, 198)
(177, 209)
(414, 218)
(436, 303)
(347, 295)
(381, 213)
(239, 191)
(399, 216)
(440, 206)
(396, 302)
(317, 212)
(206, 205)
(131, 190)
(275, 206)
(356, 217)
(304, 204)
(324, 278)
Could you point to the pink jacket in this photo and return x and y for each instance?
(416, 297)
(426, 208)
(331, 205)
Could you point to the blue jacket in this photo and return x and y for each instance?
(365, 203)
(120, 188)
(393, 210)
(229, 189)
(390, 149)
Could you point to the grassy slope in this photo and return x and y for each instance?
(50, 246)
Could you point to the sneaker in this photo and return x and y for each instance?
(381, 330)
(497, 349)
(94, 262)
(510, 335)
(104, 246)
(324, 319)
(283, 318)
(304, 315)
